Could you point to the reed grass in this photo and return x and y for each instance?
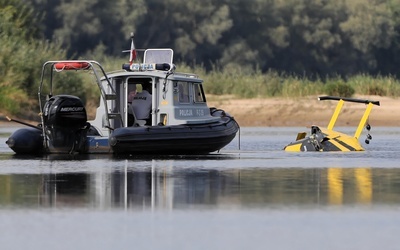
(380, 85)
(274, 84)
(233, 81)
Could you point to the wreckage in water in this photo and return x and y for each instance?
(327, 139)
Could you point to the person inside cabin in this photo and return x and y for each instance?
(131, 94)
(141, 103)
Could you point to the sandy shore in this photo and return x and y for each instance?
(303, 111)
(306, 111)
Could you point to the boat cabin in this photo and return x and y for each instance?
(176, 98)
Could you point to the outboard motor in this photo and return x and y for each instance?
(65, 124)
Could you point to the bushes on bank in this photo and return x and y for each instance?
(339, 88)
(273, 84)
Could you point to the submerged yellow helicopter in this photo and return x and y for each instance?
(327, 139)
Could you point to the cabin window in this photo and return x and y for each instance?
(184, 94)
(198, 93)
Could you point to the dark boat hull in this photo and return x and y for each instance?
(26, 141)
(179, 139)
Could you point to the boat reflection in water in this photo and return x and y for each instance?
(168, 184)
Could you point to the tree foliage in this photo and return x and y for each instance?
(22, 52)
(307, 37)
(316, 39)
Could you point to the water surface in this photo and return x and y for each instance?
(251, 194)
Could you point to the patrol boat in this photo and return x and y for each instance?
(327, 139)
(180, 120)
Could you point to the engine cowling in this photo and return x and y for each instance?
(65, 124)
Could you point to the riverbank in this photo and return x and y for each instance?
(306, 111)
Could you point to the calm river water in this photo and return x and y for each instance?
(251, 195)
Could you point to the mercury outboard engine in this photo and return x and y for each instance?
(65, 124)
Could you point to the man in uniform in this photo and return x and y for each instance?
(141, 103)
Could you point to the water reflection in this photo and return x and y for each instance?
(360, 178)
(159, 184)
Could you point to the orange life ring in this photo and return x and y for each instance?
(71, 65)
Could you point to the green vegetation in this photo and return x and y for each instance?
(257, 48)
(273, 84)
(22, 52)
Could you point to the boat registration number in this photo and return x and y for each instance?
(191, 112)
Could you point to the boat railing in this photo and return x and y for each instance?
(78, 65)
